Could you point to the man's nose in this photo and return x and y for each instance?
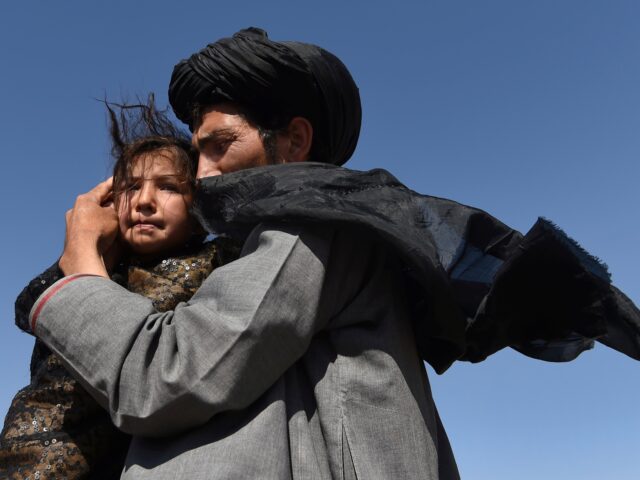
(207, 167)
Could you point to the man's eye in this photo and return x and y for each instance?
(216, 147)
(223, 145)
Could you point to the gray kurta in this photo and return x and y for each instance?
(296, 361)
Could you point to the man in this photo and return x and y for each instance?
(303, 359)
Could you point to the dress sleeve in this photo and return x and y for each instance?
(160, 373)
(53, 426)
(55, 429)
(32, 291)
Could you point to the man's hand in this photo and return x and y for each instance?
(92, 227)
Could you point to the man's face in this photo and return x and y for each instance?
(227, 142)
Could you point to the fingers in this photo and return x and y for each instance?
(92, 222)
(101, 193)
(67, 221)
(108, 202)
(103, 190)
(107, 185)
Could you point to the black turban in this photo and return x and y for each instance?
(274, 82)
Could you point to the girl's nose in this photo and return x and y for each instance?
(146, 198)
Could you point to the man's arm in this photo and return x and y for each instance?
(92, 226)
(159, 373)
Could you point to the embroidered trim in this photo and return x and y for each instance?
(51, 292)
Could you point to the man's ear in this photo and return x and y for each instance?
(298, 137)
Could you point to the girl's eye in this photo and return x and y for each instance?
(170, 187)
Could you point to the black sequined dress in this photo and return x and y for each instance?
(54, 428)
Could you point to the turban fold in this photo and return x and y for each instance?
(274, 82)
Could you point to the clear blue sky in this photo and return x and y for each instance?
(520, 108)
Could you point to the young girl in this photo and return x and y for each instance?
(54, 429)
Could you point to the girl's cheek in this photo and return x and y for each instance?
(123, 209)
(124, 218)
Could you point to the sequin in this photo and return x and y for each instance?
(166, 285)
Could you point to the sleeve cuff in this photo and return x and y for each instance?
(48, 294)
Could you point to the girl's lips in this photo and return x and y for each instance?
(145, 226)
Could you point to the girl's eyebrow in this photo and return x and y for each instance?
(167, 176)
(162, 175)
(159, 178)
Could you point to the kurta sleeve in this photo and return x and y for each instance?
(160, 373)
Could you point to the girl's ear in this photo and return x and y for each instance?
(294, 143)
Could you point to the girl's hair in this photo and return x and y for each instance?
(140, 128)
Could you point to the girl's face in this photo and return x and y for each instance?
(153, 208)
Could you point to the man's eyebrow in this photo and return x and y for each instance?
(202, 138)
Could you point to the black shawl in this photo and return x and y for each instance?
(476, 285)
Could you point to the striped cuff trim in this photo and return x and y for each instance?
(51, 291)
